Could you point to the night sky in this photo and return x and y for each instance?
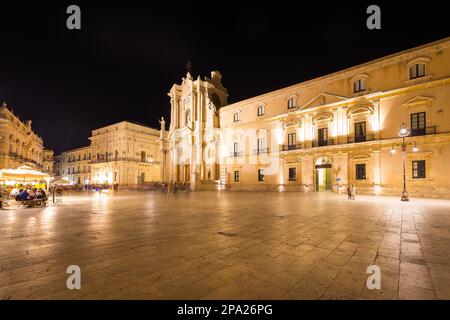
(127, 55)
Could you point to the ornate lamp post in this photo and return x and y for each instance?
(403, 133)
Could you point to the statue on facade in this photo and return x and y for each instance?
(162, 122)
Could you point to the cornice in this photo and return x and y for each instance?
(400, 57)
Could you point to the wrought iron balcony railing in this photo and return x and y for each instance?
(323, 143)
(261, 151)
(295, 146)
(357, 139)
(423, 131)
(113, 159)
(236, 154)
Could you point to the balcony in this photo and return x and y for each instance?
(289, 147)
(18, 157)
(423, 131)
(236, 154)
(358, 139)
(261, 151)
(123, 159)
(323, 143)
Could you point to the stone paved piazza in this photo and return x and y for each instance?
(211, 245)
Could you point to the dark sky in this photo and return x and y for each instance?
(127, 55)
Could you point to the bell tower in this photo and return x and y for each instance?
(192, 143)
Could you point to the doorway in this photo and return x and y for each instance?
(187, 173)
(324, 175)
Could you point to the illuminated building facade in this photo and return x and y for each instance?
(48, 161)
(322, 134)
(189, 148)
(75, 166)
(125, 153)
(19, 144)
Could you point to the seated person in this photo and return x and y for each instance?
(15, 192)
(22, 196)
(31, 193)
(40, 194)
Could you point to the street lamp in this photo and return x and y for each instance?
(403, 133)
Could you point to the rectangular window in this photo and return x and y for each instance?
(292, 174)
(323, 136)
(261, 146)
(236, 149)
(236, 117)
(261, 111)
(417, 71)
(361, 171)
(236, 176)
(359, 86)
(292, 139)
(260, 174)
(418, 124)
(291, 103)
(360, 131)
(418, 169)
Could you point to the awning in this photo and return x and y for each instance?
(23, 174)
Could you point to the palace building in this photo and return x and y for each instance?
(20, 145)
(75, 166)
(319, 135)
(125, 153)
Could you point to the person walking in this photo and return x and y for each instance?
(353, 191)
(175, 190)
(349, 192)
(169, 189)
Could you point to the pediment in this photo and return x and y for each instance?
(419, 100)
(361, 157)
(293, 124)
(323, 116)
(322, 99)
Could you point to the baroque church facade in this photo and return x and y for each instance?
(319, 135)
(191, 149)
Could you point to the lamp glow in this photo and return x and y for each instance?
(404, 132)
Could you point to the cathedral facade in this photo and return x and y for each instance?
(191, 147)
(360, 126)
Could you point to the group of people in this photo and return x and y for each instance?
(172, 188)
(351, 191)
(28, 194)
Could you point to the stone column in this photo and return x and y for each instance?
(340, 171)
(376, 156)
(307, 163)
(376, 118)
